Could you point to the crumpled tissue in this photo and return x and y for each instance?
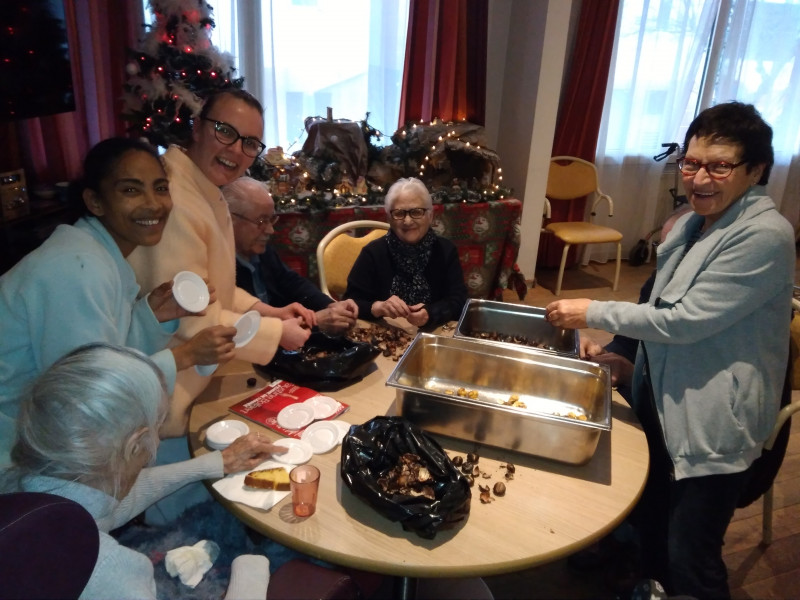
(190, 563)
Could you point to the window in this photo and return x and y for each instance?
(672, 59)
(300, 57)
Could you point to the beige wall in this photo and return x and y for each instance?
(528, 42)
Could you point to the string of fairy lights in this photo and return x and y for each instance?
(177, 63)
(284, 165)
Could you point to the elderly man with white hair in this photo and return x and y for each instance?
(260, 271)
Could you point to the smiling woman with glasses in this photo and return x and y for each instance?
(199, 235)
(711, 367)
(411, 272)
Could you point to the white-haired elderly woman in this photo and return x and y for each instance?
(411, 272)
(87, 430)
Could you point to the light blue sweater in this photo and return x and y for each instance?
(74, 289)
(716, 334)
(124, 573)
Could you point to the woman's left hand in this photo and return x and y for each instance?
(570, 314)
(247, 452)
(164, 306)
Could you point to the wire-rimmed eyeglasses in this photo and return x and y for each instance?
(260, 222)
(716, 170)
(227, 134)
(399, 214)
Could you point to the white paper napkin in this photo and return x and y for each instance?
(232, 488)
(190, 563)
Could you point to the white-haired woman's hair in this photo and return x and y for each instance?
(410, 185)
(79, 414)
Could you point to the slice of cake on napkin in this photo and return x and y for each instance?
(268, 479)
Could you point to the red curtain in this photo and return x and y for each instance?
(581, 109)
(51, 148)
(445, 67)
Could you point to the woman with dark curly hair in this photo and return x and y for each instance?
(714, 347)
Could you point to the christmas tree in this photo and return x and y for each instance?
(173, 71)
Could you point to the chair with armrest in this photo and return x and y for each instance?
(570, 178)
(780, 431)
(338, 251)
(48, 546)
(768, 501)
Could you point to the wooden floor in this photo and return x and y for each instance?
(755, 571)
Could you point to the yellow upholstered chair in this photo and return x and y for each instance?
(338, 251)
(570, 178)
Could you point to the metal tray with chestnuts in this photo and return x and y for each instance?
(506, 396)
(517, 324)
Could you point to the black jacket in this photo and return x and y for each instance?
(371, 277)
(284, 285)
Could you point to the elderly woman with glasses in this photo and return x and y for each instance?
(411, 272)
(714, 347)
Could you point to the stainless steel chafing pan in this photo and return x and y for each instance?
(507, 396)
(515, 323)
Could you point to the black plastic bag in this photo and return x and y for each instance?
(324, 363)
(371, 450)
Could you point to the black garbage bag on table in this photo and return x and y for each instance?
(372, 450)
(325, 363)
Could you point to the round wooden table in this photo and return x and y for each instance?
(550, 510)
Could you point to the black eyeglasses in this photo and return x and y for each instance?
(399, 214)
(260, 222)
(716, 170)
(227, 134)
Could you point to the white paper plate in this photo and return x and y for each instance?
(299, 451)
(323, 436)
(246, 328)
(344, 428)
(323, 406)
(190, 291)
(295, 416)
(206, 370)
(222, 433)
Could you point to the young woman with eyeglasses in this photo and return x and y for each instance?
(226, 139)
(714, 347)
(410, 272)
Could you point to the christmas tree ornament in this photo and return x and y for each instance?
(172, 72)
